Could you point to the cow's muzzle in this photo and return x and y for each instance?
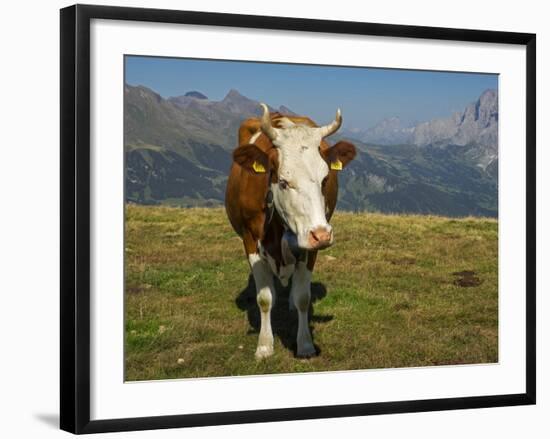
(320, 238)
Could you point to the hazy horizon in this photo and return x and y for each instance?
(366, 95)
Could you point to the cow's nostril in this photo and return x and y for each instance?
(314, 236)
(320, 237)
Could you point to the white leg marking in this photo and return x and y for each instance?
(301, 294)
(265, 290)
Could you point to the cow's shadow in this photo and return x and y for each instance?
(284, 322)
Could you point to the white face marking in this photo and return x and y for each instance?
(301, 204)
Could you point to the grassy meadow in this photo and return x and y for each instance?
(394, 291)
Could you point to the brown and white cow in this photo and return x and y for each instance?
(281, 194)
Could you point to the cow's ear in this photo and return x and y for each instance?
(251, 158)
(339, 155)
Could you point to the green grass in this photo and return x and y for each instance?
(384, 296)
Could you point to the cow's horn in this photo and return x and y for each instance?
(332, 127)
(266, 126)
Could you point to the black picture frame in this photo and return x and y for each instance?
(75, 217)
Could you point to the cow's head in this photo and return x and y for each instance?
(299, 168)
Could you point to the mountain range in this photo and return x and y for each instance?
(476, 125)
(389, 131)
(178, 151)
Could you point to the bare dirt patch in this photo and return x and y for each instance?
(466, 279)
(403, 261)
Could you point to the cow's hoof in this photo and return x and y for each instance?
(306, 351)
(263, 352)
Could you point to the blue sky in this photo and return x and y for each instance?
(365, 95)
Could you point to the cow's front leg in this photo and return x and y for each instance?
(301, 294)
(265, 291)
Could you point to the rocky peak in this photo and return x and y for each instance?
(478, 123)
(477, 126)
(233, 95)
(488, 107)
(235, 102)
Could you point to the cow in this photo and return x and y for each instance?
(280, 196)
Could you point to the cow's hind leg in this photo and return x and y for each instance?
(263, 279)
(301, 294)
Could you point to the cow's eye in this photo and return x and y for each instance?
(324, 182)
(283, 184)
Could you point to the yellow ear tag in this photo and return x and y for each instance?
(258, 167)
(336, 166)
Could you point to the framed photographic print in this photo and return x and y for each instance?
(273, 218)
